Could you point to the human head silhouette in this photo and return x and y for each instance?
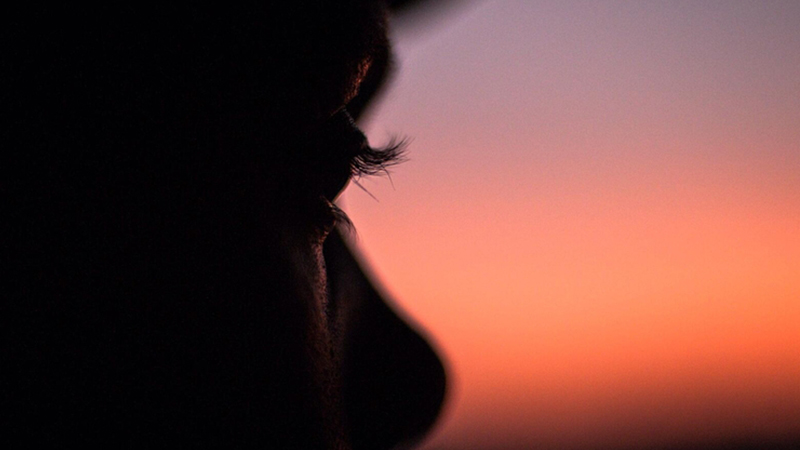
(177, 278)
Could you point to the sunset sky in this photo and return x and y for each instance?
(599, 220)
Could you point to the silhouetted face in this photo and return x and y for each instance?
(170, 203)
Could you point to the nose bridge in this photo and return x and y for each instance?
(393, 380)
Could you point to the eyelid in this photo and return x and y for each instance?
(341, 152)
(347, 132)
(364, 159)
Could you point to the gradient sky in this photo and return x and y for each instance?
(599, 221)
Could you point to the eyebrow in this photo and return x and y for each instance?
(381, 68)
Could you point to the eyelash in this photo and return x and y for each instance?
(367, 162)
(371, 161)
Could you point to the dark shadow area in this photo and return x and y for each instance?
(168, 176)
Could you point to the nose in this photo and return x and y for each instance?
(393, 380)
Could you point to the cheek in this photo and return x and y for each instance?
(310, 286)
(308, 266)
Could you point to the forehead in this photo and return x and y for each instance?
(327, 52)
(305, 57)
(304, 53)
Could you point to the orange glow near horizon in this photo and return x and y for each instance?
(673, 322)
(599, 225)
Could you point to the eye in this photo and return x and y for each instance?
(343, 147)
(343, 151)
(372, 161)
(335, 153)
